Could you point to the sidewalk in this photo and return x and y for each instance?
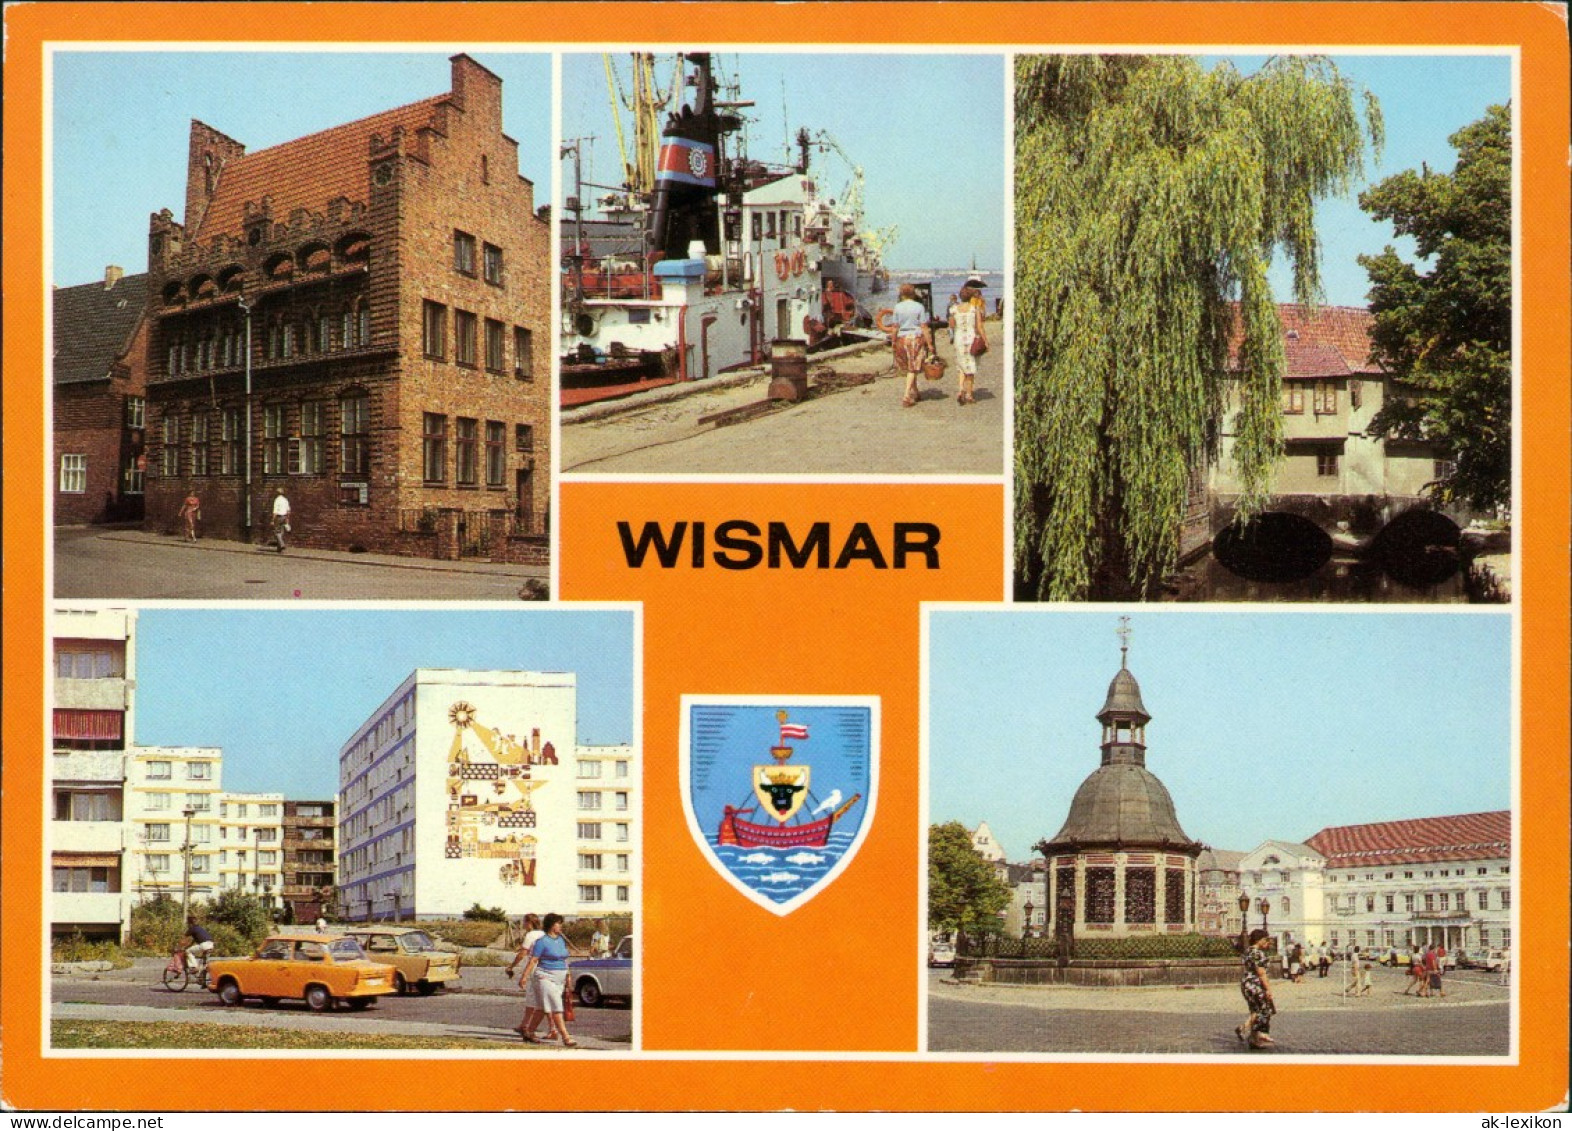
(310, 554)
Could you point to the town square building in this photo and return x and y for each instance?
(1121, 865)
(172, 812)
(357, 318)
(1441, 880)
(470, 787)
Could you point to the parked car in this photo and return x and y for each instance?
(321, 969)
(941, 954)
(1493, 959)
(418, 965)
(595, 979)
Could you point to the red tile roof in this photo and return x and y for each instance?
(309, 171)
(1335, 343)
(1472, 836)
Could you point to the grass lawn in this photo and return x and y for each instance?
(177, 1035)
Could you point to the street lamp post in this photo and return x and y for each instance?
(1266, 906)
(1026, 927)
(1244, 921)
(245, 505)
(185, 878)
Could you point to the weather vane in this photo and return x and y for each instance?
(1123, 633)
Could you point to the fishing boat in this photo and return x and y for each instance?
(781, 792)
(708, 255)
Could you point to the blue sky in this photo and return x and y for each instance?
(1264, 725)
(281, 689)
(932, 168)
(122, 120)
(928, 131)
(1424, 100)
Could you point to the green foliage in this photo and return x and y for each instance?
(1151, 195)
(489, 914)
(462, 932)
(1157, 947)
(238, 914)
(1134, 948)
(1447, 333)
(156, 926)
(75, 948)
(963, 891)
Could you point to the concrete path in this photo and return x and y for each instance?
(862, 430)
(117, 564)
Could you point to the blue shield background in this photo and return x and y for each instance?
(725, 742)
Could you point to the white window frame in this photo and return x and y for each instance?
(73, 473)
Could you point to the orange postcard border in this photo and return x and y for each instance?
(852, 1081)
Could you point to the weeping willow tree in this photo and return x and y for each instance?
(1151, 195)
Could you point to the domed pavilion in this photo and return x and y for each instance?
(1122, 866)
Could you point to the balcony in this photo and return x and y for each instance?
(91, 694)
(307, 822)
(85, 907)
(87, 836)
(1461, 915)
(292, 844)
(87, 766)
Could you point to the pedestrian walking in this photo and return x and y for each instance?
(1416, 976)
(1433, 972)
(547, 970)
(191, 514)
(1324, 960)
(971, 342)
(600, 941)
(1257, 991)
(281, 515)
(949, 315)
(533, 1015)
(911, 339)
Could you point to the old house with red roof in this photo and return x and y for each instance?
(100, 399)
(1389, 885)
(357, 317)
(1331, 392)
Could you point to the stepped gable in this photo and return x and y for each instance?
(1472, 836)
(309, 171)
(1334, 343)
(93, 326)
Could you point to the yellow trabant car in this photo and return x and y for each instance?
(322, 969)
(419, 966)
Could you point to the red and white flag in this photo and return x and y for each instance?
(793, 730)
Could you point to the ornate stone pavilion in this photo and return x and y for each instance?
(1121, 865)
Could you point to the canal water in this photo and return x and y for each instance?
(1339, 579)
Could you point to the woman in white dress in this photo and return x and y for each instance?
(966, 327)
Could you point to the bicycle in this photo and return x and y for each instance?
(178, 973)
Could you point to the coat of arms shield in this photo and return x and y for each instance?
(779, 792)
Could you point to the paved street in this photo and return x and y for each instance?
(859, 430)
(486, 1008)
(1313, 1019)
(116, 564)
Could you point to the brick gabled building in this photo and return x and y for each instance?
(100, 398)
(384, 288)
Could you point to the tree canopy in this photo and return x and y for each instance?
(963, 891)
(1151, 195)
(1447, 333)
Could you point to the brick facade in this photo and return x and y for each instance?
(389, 271)
(100, 391)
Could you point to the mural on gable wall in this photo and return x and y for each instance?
(492, 779)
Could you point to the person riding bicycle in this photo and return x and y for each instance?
(199, 944)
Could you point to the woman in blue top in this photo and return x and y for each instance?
(912, 339)
(547, 975)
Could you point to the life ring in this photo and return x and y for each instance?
(797, 261)
(782, 265)
(885, 320)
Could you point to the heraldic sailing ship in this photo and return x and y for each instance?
(781, 792)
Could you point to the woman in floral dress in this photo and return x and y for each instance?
(1257, 994)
